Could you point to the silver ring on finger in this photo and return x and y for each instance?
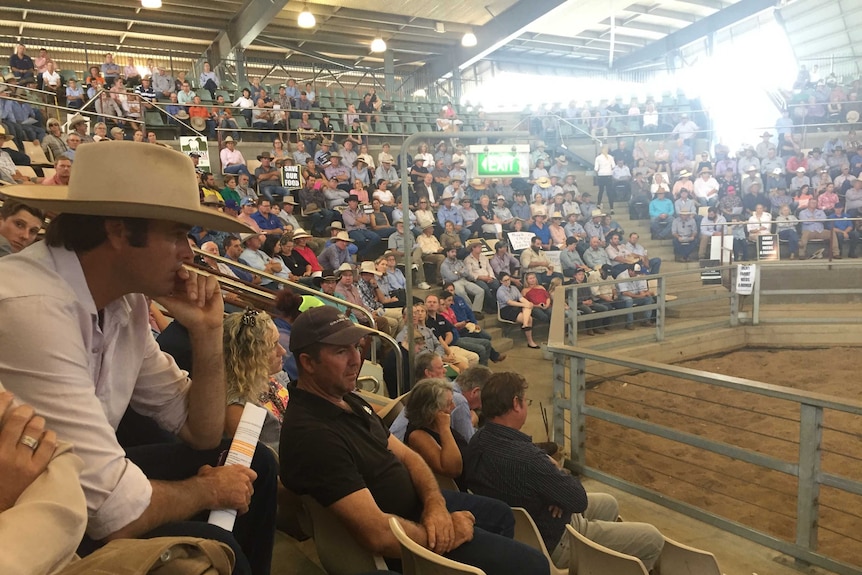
(30, 442)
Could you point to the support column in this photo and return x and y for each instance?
(239, 60)
(456, 83)
(389, 71)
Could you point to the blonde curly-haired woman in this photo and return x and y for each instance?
(252, 356)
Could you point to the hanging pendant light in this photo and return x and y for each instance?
(306, 19)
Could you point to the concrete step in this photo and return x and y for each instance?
(502, 344)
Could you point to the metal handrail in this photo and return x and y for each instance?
(83, 112)
(19, 87)
(570, 361)
(319, 294)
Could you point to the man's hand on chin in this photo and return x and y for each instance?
(196, 301)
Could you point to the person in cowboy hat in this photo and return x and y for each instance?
(78, 124)
(457, 171)
(232, 160)
(108, 250)
(361, 171)
(336, 251)
(560, 167)
(449, 213)
(543, 186)
(269, 178)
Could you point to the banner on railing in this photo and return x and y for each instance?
(197, 145)
(745, 279)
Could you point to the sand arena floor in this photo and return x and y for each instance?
(763, 499)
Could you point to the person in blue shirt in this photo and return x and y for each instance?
(449, 213)
(268, 222)
(541, 230)
(661, 211)
(464, 314)
(843, 231)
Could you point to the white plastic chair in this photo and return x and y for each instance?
(339, 552)
(416, 560)
(527, 533)
(680, 559)
(589, 558)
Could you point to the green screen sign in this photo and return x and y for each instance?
(501, 165)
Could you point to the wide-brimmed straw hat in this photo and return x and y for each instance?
(169, 176)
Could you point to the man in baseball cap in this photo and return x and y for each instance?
(336, 450)
(79, 300)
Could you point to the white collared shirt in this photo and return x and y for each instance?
(81, 377)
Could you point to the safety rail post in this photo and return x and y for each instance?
(660, 312)
(574, 316)
(734, 303)
(808, 485)
(559, 397)
(577, 400)
(755, 308)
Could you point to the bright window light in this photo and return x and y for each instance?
(469, 40)
(151, 3)
(378, 45)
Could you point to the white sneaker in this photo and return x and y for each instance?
(423, 285)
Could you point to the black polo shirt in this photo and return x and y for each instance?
(329, 453)
(441, 326)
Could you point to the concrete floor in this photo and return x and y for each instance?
(735, 555)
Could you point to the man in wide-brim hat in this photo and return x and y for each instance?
(77, 346)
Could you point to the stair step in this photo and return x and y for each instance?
(503, 344)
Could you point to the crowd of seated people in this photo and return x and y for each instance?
(655, 120)
(817, 100)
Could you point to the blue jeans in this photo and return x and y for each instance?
(492, 548)
(254, 533)
(684, 250)
(490, 289)
(480, 347)
(481, 335)
(647, 315)
(268, 191)
(792, 237)
(365, 240)
(654, 266)
(240, 169)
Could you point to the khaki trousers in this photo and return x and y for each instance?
(599, 524)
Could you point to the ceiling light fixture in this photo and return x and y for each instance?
(151, 3)
(440, 27)
(469, 40)
(378, 45)
(306, 19)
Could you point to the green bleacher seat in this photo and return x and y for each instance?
(381, 128)
(240, 121)
(410, 128)
(354, 96)
(154, 119)
(323, 93)
(294, 123)
(397, 128)
(225, 93)
(68, 75)
(325, 102)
